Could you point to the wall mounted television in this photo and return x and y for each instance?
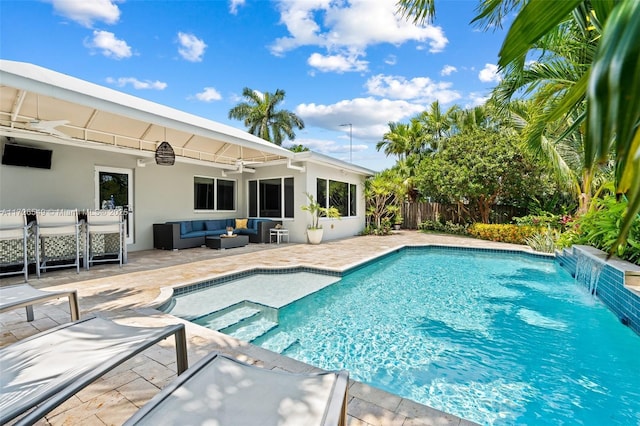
(25, 156)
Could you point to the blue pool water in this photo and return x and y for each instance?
(499, 339)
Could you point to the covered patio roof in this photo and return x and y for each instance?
(40, 104)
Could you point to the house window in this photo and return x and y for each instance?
(225, 194)
(213, 194)
(340, 195)
(271, 198)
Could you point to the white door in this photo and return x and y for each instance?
(114, 189)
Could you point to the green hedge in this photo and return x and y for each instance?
(516, 234)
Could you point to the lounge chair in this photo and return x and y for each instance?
(17, 296)
(221, 391)
(41, 372)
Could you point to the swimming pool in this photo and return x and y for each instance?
(493, 338)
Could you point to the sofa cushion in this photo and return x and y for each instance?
(241, 223)
(246, 231)
(214, 224)
(197, 225)
(193, 234)
(185, 227)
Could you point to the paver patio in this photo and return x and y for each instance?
(129, 295)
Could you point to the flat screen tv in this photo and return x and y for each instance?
(25, 156)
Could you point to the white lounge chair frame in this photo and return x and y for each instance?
(14, 226)
(56, 223)
(17, 296)
(104, 222)
(223, 391)
(43, 371)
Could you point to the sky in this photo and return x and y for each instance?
(353, 63)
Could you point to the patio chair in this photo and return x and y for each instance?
(17, 296)
(14, 237)
(105, 236)
(43, 371)
(57, 239)
(223, 391)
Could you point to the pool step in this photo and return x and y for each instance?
(220, 320)
(277, 342)
(252, 328)
(245, 320)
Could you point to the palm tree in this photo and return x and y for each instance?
(567, 52)
(298, 148)
(263, 119)
(403, 139)
(438, 125)
(609, 84)
(481, 117)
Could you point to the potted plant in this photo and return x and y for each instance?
(229, 230)
(314, 230)
(398, 223)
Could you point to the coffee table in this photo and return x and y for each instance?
(222, 242)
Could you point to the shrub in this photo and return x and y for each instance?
(448, 227)
(372, 230)
(543, 241)
(600, 226)
(503, 233)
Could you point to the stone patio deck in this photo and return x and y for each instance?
(130, 294)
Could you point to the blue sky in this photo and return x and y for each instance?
(338, 61)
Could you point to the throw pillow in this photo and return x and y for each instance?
(241, 223)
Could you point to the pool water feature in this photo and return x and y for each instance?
(496, 338)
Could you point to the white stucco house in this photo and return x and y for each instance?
(68, 143)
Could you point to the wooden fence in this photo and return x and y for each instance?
(416, 213)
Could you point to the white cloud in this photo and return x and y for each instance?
(391, 60)
(489, 74)
(476, 99)
(349, 27)
(85, 12)
(234, 5)
(208, 94)
(370, 116)
(328, 146)
(418, 89)
(109, 45)
(338, 63)
(448, 70)
(137, 84)
(191, 47)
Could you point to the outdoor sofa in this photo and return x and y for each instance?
(192, 233)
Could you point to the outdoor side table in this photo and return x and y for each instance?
(279, 233)
(224, 242)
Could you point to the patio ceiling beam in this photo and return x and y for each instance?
(146, 131)
(91, 119)
(189, 140)
(17, 105)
